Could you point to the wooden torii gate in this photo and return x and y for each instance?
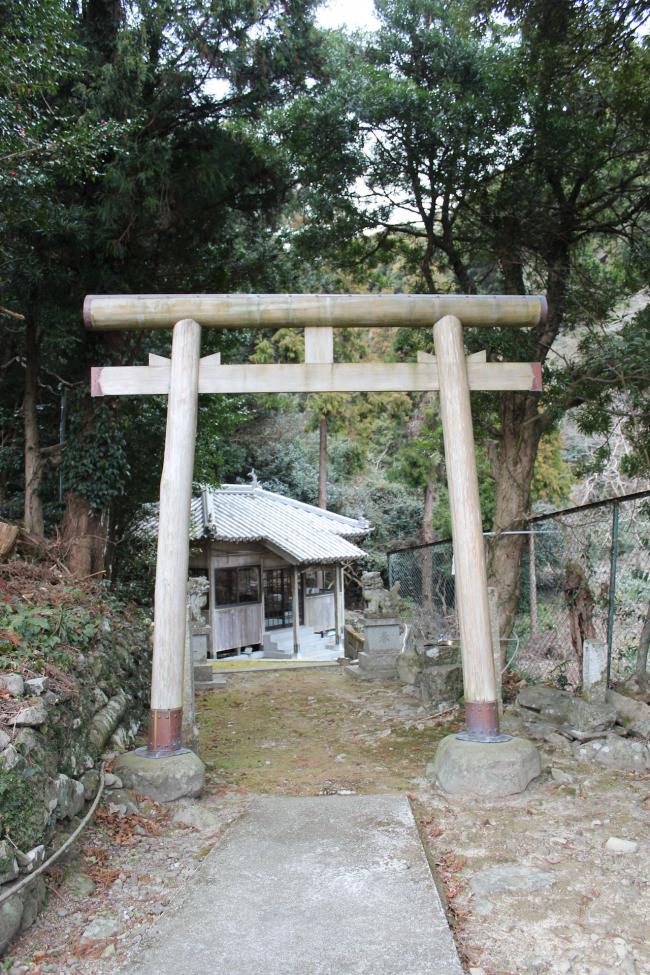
(186, 375)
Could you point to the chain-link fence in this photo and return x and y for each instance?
(585, 574)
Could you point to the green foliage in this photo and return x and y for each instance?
(552, 478)
(22, 812)
(133, 160)
(614, 388)
(61, 625)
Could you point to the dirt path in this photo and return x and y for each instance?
(530, 885)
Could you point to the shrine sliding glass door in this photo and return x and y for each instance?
(278, 599)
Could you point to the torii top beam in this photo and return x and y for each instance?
(120, 312)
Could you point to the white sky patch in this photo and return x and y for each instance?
(352, 14)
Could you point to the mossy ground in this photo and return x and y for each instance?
(314, 732)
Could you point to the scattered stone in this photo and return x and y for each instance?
(551, 703)
(31, 860)
(561, 777)
(90, 781)
(11, 913)
(81, 885)
(109, 951)
(615, 844)
(8, 862)
(112, 781)
(100, 929)
(13, 684)
(34, 898)
(510, 878)
(585, 720)
(615, 752)
(633, 715)
(37, 685)
(4, 739)
(121, 802)
(31, 716)
(547, 710)
(557, 741)
(69, 796)
(196, 814)
(9, 758)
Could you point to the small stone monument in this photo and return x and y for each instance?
(594, 671)
(204, 678)
(382, 630)
(197, 598)
(431, 665)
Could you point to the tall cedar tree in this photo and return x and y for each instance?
(506, 147)
(175, 190)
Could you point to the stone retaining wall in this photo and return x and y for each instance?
(55, 730)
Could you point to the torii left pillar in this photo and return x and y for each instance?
(178, 771)
(170, 600)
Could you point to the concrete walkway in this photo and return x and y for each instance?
(332, 885)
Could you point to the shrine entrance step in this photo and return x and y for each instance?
(331, 885)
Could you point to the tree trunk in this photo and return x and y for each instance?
(427, 553)
(84, 535)
(513, 463)
(580, 604)
(33, 515)
(322, 463)
(644, 645)
(513, 456)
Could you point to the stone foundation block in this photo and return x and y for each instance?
(162, 779)
(479, 769)
(442, 686)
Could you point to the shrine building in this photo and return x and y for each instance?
(264, 554)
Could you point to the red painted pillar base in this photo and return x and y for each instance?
(164, 733)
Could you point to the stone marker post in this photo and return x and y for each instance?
(594, 671)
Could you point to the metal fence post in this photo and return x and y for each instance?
(532, 580)
(613, 558)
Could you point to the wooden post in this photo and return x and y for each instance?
(341, 598)
(173, 543)
(295, 606)
(481, 713)
(337, 605)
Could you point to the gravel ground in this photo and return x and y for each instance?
(531, 887)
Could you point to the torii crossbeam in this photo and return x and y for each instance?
(186, 375)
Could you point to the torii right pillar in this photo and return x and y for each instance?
(479, 760)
